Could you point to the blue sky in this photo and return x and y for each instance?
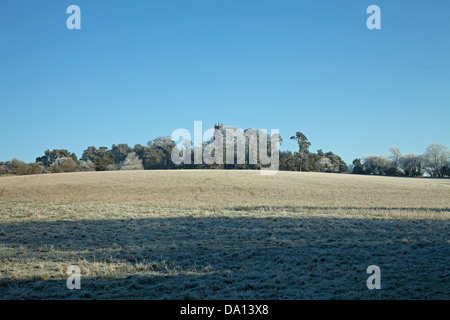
(141, 69)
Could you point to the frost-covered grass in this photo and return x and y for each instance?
(223, 235)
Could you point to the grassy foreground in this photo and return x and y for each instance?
(217, 234)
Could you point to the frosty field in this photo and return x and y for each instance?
(215, 234)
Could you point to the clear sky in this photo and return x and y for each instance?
(141, 69)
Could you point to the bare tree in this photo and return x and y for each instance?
(326, 165)
(395, 156)
(411, 165)
(376, 164)
(132, 162)
(436, 157)
(87, 165)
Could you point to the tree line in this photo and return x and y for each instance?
(156, 155)
(434, 162)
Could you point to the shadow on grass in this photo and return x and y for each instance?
(226, 258)
(328, 208)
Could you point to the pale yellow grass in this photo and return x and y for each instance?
(220, 189)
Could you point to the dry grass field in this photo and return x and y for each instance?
(217, 234)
